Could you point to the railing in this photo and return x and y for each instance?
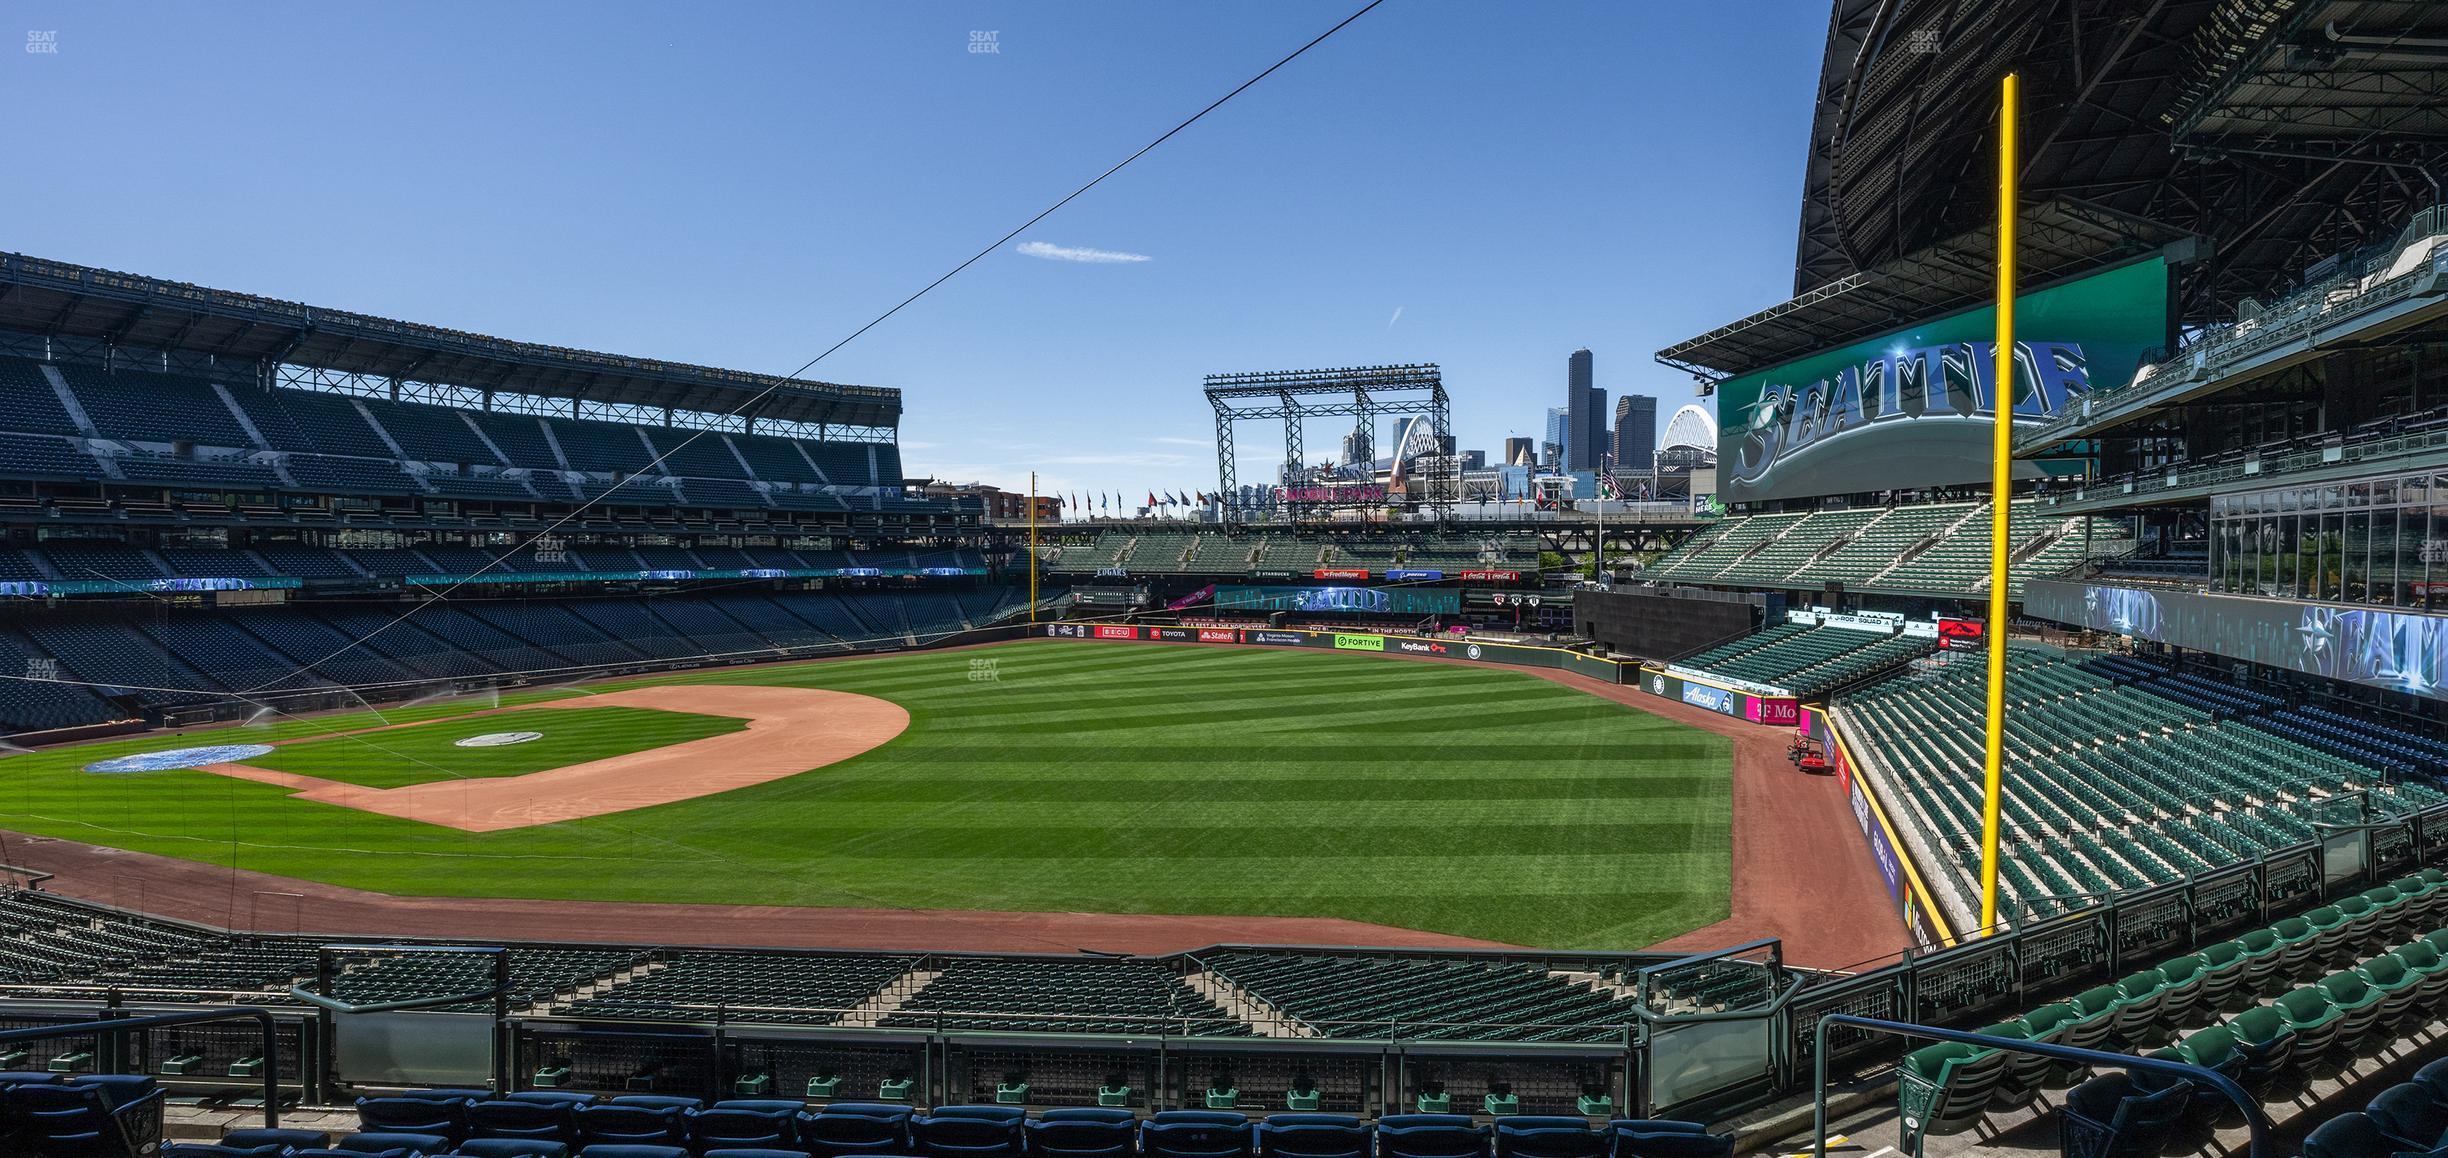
(2251, 465)
(2329, 302)
(2256, 1123)
(115, 1028)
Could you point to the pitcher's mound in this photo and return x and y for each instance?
(790, 731)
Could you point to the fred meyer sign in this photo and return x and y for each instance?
(1911, 408)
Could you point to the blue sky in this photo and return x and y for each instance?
(1484, 186)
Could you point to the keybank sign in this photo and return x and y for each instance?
(1912, 408)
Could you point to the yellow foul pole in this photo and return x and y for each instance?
(2001, 450)
(1032, 551)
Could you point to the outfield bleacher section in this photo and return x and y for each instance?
(2120, 774)
(1930, 549)
(1807, 661)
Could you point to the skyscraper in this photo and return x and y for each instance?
(1635, 432)
(1559, 426)
(1519, 452)
(1580, 439)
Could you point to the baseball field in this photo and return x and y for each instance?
(1037, 776)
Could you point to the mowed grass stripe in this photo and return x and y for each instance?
(1082, 776)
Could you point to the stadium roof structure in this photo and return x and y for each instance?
(60, 299)
(2281, 131)
(2056, 240)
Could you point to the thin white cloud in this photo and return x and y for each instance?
(1080, 253)
(1169, 440)
(1396, 318)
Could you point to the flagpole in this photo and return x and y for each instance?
(2001, 447)
(1032, 550)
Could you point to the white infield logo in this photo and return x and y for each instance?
(497, 739)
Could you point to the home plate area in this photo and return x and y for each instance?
(788, 731)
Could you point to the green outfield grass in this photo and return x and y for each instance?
(1057, 776)
(421, 753)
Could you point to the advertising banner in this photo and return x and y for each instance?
(1340, 573)
(1461, 648)
(1953, 633)
(1782, 712)
(40, 588)
(1405, 575)
(1714, 699)
(1364, 600)
(2401, 651)
(1910, 408)
(1491, 576)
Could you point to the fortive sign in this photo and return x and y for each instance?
(1360, 642)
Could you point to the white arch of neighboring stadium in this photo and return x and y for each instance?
(1416, 436)
(1691, 426)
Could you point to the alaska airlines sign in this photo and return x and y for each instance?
(1912, 408)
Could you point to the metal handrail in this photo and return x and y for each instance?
(2254, 1121)
(124, 1025)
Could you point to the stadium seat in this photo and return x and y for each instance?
(632, 1150)
(2350, 1135)
(2113, 1116)
(445, 1117)
(1059, 1134)
(1195, 1134)
(2266, 1042)
(845, 1129)
(610, 1124)
(740, 1129)
(1547, 1136)
(76, 1118)
(554, 1097)
(514, 1117)
(756, 1154)
(2410, 1115)
(950, 1134)
(659, 1101)
(1665, 1138)
(393, 1144)
(511, 1148)
(1431, 1136)
(1962, 1076)
(1314, 1136)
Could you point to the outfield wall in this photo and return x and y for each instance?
(1725, 699)
(1596, 667)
